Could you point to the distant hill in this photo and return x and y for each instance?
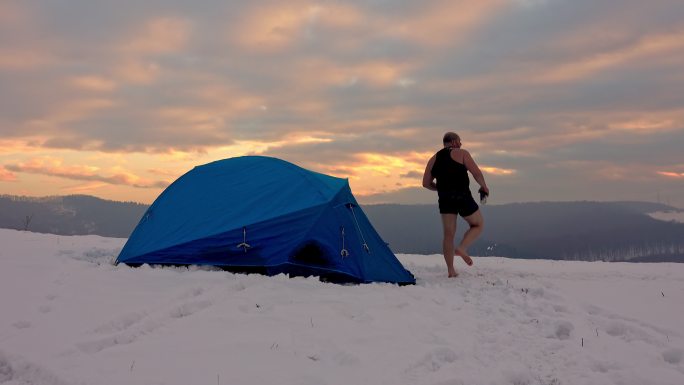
(547, 230)
(609, 231)
(70, 215)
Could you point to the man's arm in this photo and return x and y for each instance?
(428, 180)
(470, 164)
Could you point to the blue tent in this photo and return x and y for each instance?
(261, 214)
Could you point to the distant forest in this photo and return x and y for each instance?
(590, 231)
(70, 215)
(587, 231)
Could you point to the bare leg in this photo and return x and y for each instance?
(476, 223)
(449, 227)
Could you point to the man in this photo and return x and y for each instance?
(449, 167)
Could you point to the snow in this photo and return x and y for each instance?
(68, 316)
(670, 216)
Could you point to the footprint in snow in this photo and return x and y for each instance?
(120, 323)
(604, 366)
(44, 309)
(616, 329)
(560, 309)
(630, 331)
(21, 325)
(561, 330)
(16, 370)
(189, 308)
(436, 359)
(673, 356)
(194, 292)
(129, 328)
(593, 310)
(518, 378)
(92, 347)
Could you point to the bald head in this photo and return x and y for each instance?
(450, 137)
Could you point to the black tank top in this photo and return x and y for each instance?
(451, 176)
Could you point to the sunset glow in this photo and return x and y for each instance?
(556, 100)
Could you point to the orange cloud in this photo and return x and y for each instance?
(21, 59)
(588, 126)
(71, 110)
(20, 49)
(7, 176)
(87, 188)
(374, 172)
(270, 28)
(159, 36)
(670, 174)
(196, 118)
(340, 16)
(54, 167)
(281, 25)
(169, 174)
(93, 83)
(498, 171)
(447, 22)
(645, 125)
(25, 145)
(137, 71)
(12, 13)
(317, 72)
(378, 73)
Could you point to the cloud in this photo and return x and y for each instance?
(408, 195)
(7, 175)
(497, 171)
(88, 188)
(54, 167)
(137, 71)
(22, 59)
(446, 22)
(595, 170)
(412, 174)
(307, 90)
(93, 83)
(270, 28)
(160, 35)
(23, 51)
(672, 174)
(359, 89)
(647, 48)
(646, 126)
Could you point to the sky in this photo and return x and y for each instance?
(556, 100)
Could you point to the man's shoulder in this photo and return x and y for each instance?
(458, 152)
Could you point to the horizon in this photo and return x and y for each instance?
(557, 100)
(428, 203)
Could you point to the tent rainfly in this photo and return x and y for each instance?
(264, 215)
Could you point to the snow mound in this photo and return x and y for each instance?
(669, 216)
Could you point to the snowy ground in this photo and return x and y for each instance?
(675, 216)
(67, 316)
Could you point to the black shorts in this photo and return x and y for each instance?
(461, 203)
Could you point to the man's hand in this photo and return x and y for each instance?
(484, 189)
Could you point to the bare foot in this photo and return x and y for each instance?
(465, 256)
(453, 275)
